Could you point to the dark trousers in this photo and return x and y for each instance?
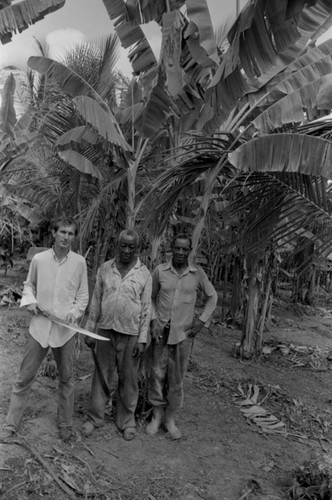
(32, 359)
(117, 354)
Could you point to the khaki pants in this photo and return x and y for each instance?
(32, 359)
(168, 367)
(116, 354)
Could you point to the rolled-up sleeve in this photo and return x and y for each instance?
(29, 289)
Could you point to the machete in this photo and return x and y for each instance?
(78, 329)
(74, 328)
(100, 373)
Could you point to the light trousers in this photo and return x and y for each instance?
(117, 354)
(31, 362)
(168, 366)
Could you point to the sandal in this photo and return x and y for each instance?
(129, 433)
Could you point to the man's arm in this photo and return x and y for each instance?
(211, 301)
(154, 330)
(29, 290)
(95, 305)
(81, 298)
(145, 311)
(211, 297)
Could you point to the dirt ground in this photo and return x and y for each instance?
(229, 450)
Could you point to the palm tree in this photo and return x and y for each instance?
(72, 166)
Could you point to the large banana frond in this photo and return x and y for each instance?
(315, 59)
(80, 162)
(263, 41)
(127, 18)
(102, 121)
(305, 103)
(19, 16)
(285, 152)
(7, 110)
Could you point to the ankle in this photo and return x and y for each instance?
(158, 414)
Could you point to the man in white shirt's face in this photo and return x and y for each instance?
(63, 237)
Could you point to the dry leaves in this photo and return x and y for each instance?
(253, 411)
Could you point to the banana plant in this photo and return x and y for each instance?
(250, 146)
(18, 16)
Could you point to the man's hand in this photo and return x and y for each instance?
(33, 309)
(70, 318)
(138, 350)
(90, 342)
(155, 332)
(195, 328)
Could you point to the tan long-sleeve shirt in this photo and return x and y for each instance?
(174, 298)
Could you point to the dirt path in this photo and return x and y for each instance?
(222, 455)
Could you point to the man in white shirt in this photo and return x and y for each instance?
(120, 311)
(57, 284)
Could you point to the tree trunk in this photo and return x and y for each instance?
(251, 339)
(303, 272)
(236, 302)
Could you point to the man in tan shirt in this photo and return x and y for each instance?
(174, 292)
(120, 310)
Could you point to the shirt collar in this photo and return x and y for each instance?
(191, 268)
(136, 266)
(56, 258)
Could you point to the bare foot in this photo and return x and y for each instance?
(172, 429)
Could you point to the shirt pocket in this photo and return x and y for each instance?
(188, 296)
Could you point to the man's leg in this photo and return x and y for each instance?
(32, 359)
(128, 382)
(106, 357)
(177, 365)
(157, 385)
(64, 358)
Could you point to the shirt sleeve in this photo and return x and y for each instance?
(29, 289)
(146, 310)
(82, 294)
(211, 297)
(155, 291)
(95, 305)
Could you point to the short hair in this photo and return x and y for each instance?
(182, 236)
(131, 233)
(63, 220)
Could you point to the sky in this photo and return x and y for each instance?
(81, 20)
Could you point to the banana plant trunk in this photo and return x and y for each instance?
(133, 165)
(251, 341)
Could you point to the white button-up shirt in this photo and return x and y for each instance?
(57, 287)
